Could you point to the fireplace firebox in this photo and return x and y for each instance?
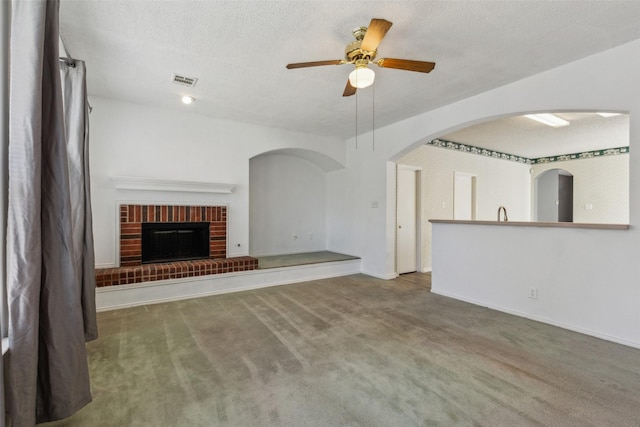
(174, 241)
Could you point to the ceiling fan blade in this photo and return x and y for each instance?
(375, 33)
(406, 64)
(348, 89)
(315, 63)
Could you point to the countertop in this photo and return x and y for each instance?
(533, 224)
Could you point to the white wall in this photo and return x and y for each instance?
(135, 140)
(360, 202)
(584, 282)
(498, 183)
(601, 182)
(287, 199)
(344, 202)
(594, 272)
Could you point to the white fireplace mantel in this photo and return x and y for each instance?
(155, 184)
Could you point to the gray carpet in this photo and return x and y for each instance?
(275, 261)
(351, 351)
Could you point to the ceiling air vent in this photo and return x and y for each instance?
(184, 81)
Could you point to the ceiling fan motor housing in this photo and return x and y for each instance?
(353, 52)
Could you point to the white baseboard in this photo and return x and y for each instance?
(105, 265)
(287, 253)
(237, 254)
(389, 276)
(563, 325)
(122, 296)
(426, 270)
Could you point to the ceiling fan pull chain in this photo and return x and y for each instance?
(356, 120)
(373, 131)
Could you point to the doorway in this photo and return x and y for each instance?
(464, 196)
(554, 196)
(407, 224)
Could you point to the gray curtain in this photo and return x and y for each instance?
(50, 269)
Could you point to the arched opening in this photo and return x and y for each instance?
(553, 196)
(506, 154)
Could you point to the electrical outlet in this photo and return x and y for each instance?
(533, 293)
(310, 236)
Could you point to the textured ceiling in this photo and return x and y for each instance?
(238, 50)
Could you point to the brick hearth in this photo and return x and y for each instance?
(172, 270)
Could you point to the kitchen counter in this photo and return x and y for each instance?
(533, 224)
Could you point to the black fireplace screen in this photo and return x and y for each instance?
(174, 241)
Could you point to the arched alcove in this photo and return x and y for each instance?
(287, 201)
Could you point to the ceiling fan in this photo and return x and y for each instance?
(362, 52)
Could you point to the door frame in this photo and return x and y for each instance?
(473, 202)
(418, 225)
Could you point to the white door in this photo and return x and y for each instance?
(464, 203)
(406, 239)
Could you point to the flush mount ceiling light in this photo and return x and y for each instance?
(188, 99)
(548, 119)
(361, 77)
(607, 115)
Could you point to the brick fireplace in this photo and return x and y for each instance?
(132, 270)
(132, 217)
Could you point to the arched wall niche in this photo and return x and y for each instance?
(288, 201)
(321, 160)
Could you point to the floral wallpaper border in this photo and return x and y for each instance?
(584, 155)
(443, 143)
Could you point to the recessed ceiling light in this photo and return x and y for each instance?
(188, 99)
(606, 115)
(548, 119)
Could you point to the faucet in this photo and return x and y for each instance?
(502, 208)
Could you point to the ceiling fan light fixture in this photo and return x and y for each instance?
(548, 119)
(362, 77)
